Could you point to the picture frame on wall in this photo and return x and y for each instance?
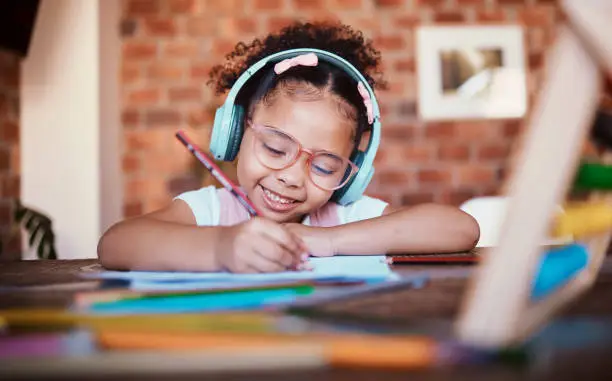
(471, 72)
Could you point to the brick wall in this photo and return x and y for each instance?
(169, 46)
(9, 152)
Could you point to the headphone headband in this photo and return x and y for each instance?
(321, 54)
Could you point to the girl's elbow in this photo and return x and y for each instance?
(461, 225)
(107, 257)
(470, 231)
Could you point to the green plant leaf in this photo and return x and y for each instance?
(36, 228)
(39, 228)
(46, 248)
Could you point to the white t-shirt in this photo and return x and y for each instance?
(206, 207)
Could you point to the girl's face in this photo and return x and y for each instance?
(287, 195)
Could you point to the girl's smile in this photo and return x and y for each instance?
(276, 202)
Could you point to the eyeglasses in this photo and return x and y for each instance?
(278, 150)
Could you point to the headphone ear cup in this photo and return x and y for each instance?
(226, 134)
(219, 136)
(356, 186)
(237, 130)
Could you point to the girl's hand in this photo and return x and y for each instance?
(318, 240)
(258, 246)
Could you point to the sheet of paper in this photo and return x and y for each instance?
(338, 267)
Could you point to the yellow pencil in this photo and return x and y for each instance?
(239, 322)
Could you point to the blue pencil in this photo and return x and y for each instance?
(243, 300)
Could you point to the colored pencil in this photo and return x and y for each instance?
(28, 345)
(335, 350)
(226, 301)
(186, 322)
(86, 299)
(217, 173)
(437, 258)
(290, 357)
(122, 364)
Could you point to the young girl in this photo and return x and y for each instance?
(304, 118)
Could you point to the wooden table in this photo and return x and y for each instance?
(52, 284)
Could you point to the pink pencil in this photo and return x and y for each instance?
(216, 171)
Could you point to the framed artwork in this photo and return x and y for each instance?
(471, 72)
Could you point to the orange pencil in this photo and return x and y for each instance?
(343, 350)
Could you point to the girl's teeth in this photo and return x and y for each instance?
(276, 198)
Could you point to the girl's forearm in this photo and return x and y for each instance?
(145, 243)
(422, 229)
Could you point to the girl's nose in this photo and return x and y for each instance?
(295, 175)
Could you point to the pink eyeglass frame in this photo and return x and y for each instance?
(258, 128)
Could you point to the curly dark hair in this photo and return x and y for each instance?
(334, 37)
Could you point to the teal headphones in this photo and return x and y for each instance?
(229, 123)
